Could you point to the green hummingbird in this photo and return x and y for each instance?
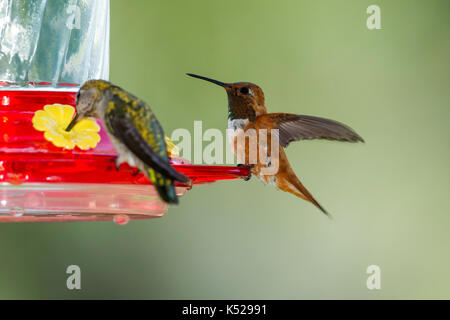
(134, 131)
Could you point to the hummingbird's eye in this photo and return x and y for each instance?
(244, 90)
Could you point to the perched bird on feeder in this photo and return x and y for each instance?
(247, 111)
(133, 130)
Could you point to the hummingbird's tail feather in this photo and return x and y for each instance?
(164, 186)
(167, 192)
(290, 183)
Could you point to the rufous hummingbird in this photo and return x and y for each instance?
(247, 111)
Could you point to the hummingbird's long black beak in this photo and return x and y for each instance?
(222, 84)
(73, 122)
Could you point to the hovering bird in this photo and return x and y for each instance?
(133, 130)
(247, 111)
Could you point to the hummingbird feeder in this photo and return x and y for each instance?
(47, 50)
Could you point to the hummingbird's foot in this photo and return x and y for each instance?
(249, 171)
(116, 162)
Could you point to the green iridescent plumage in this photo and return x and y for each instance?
(135, 132)
(136, 118)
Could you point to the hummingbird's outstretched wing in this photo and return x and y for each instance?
(293, 127)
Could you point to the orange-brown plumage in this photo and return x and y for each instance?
(247, 113)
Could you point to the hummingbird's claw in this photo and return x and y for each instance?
(116, 162)
(249, 171)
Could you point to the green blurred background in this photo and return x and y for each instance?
(389, 197)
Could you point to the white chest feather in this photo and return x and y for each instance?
(265, 165)
(236, 124)
(235, 133)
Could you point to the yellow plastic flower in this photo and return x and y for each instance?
(172, 149)
(55, 118)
